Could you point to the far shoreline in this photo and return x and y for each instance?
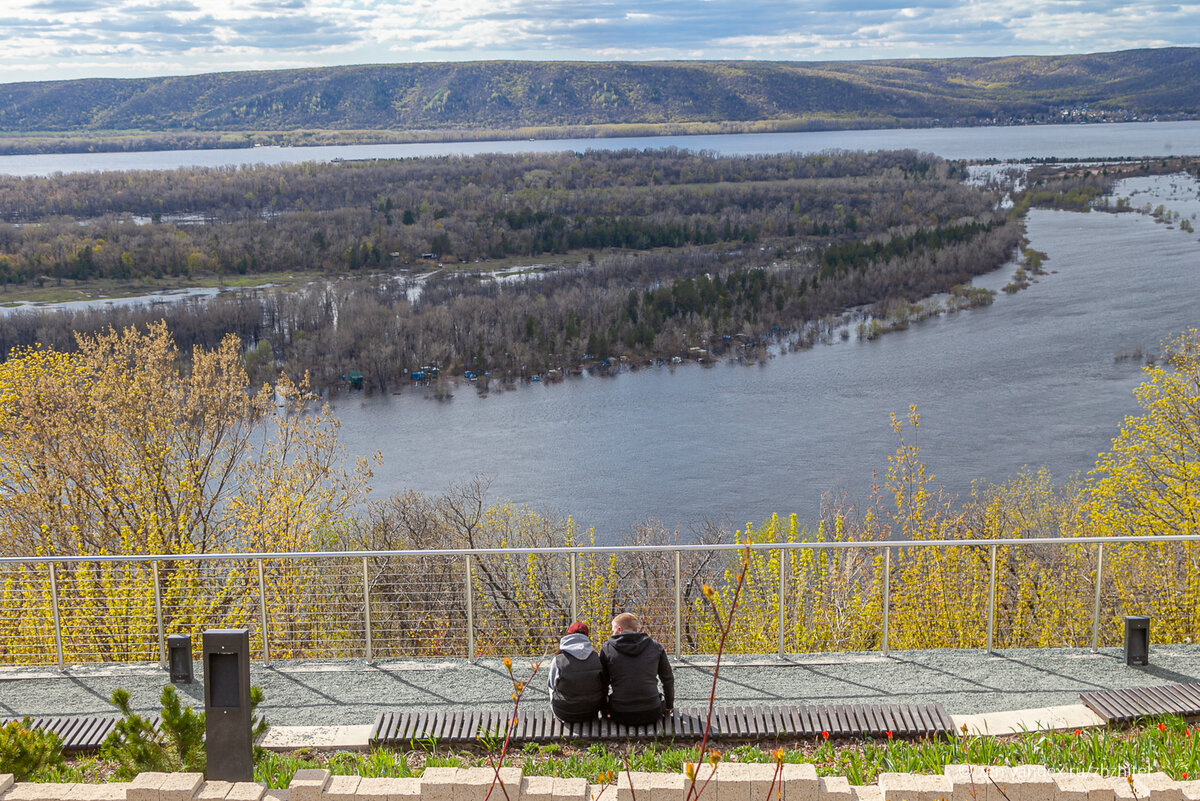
(69, 142)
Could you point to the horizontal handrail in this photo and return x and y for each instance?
(602, 549)
(381, 605)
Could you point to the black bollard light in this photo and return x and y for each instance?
(227, 718)
(179, 658)
(1137, 640)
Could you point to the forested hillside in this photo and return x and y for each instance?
(506, 95)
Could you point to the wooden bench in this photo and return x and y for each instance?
(404, 727)
(1125, 706)
(85, 733)
(76, 733)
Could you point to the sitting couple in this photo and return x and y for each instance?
(621, 681)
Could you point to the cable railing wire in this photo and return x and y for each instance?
(474, 602)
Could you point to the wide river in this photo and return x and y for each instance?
(1032, 380)
(1000, 142)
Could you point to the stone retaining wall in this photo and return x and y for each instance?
(728, 781)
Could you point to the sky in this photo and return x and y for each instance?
(58, 39)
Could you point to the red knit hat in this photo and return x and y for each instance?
(579, 627)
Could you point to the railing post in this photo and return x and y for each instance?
(262, 612)
(887, 594)
(58, 649)
(784, 555)
(574, 588)
(678, 605)
(367, 608)
(470, 614)
(1096, 608)
(158, 617)
(991, 600)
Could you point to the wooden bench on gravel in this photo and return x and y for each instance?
(76, 733)
(1126, 706)
(463, 725)
(80, 733)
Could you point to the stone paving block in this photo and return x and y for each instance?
(1124, 788)
(474, 784)
(213, 791)
(6, 781)
(763, 779)
(334, 738)
(144, 786)
(1082, 787)
(404, 789)
(282, 794)
(574, 789)
(39, 791)
(96, 792)
(537, 788)
(1128, 788)
(179, 786)
(1102, 788)
(896, 787)
(706, 784)
(1158, 786)
(509, 786)
(800, 782)
(732, 780)
(866, 792)
(341, 788)
(105, 791)
(1190, 789)
(373, 788)
(307, 784)
(439, 784)
(1006, 783)
(1069, 787)
(668, 787)
(246, 791)
(599, 792)
(633, 785)
(1016, 783)
(967, 782)
(833, 788)
(914, 787)
(1023, 783)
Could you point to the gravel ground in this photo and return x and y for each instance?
(350, 692)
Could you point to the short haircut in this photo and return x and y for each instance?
(627, 621)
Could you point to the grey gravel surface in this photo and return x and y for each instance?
(314, 693)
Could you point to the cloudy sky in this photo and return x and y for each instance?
(50, 39)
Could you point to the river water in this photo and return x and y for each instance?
(1032, 380)
(1003, 143)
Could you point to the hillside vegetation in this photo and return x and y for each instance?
(235, 109)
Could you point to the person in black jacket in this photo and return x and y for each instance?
(635, 664)
(578, 688)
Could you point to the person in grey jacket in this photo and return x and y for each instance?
(635, 664)
(578, 688)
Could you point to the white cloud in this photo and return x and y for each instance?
(84, 38)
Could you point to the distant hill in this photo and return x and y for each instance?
(511, 94)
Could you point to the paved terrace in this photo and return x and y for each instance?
(1003, 691)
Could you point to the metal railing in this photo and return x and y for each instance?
(465, 603)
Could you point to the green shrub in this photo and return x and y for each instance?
(25, 751)
(135, 746)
